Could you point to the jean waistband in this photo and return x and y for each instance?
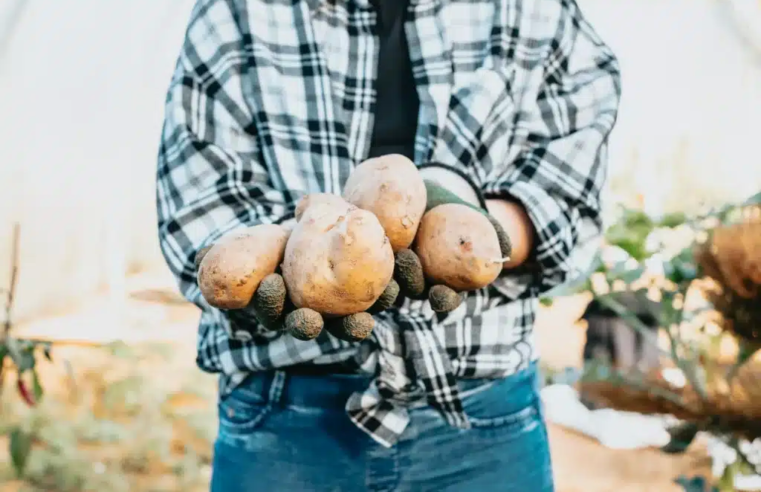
(332, 391)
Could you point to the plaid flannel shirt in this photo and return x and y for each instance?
(274, 99)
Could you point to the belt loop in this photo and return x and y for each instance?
(277, 385)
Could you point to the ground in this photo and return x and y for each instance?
(136, 414)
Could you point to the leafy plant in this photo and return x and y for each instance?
(716, 257)
(93, 443)
(23, 355)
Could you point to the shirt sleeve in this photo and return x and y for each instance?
(210, 179)
(563, 117)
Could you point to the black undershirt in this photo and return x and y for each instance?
(397, 104)
(396, 114)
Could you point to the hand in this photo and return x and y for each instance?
(267, 306)
(414, 281)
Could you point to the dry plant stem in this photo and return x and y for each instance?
(698, 384)
(660, 392)
(10, 293)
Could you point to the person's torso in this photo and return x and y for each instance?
(325, 94)
(312, 85)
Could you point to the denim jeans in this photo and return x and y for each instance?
(287, 433)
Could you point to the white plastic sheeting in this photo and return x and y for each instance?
(82, 85)
(691, 107)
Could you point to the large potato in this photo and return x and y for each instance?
(391, 188)
(315, 198)
(338, 260)
(231, 270)
(458, 247)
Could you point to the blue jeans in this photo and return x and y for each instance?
(299, 439)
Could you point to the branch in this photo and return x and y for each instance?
(11, 291)
(636, 381)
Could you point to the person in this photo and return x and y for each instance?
(271, 100)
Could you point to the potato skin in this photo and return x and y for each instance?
(338, 260)
(458, 247)
(231, 270)
(391, 188)
(307, 201)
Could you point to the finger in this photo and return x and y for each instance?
(352, 328)
(408, 273)
(242, 321)
(444, 299)
(304, 324)
(386, 299)
(268, 303)
(199, 256)
(505, 245)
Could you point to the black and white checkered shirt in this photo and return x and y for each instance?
(273, 99)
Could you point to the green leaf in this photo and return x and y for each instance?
(20, 446)
(681, 268)
(673, 220)
(681, 437)
(36, 386)
(628, 276)
(630, 233)
(695, 484)
(633, 247)
(22, 357)
(754, 200)
(47, 348)
(746, 350)
(727, 479)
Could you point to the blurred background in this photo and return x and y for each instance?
(82, 86)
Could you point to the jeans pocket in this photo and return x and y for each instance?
(510, 406)
(509, 425)
(241, 414)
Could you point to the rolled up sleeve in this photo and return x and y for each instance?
(562, 123)
(210, 179)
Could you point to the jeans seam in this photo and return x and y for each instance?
(274, 394)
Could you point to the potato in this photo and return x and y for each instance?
(338, 260)
(231, 270)
(391, 188)
(458, 247)
(315, 198)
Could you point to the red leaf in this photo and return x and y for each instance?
(24, 392)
